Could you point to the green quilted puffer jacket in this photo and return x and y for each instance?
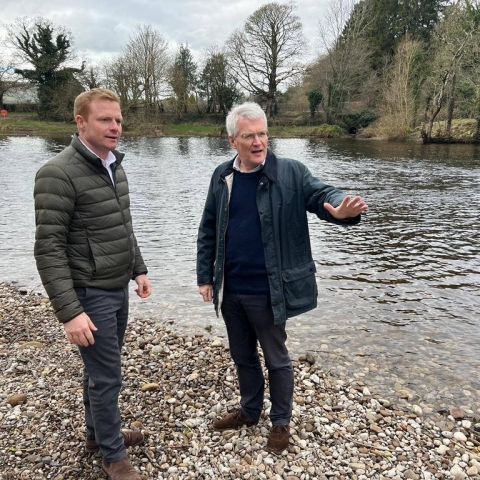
(84, 235)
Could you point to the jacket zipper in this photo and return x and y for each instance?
(220, 291)
(113, 184)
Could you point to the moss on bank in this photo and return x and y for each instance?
(463, 130)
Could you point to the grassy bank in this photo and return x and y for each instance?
(463, 130)
(29, 124)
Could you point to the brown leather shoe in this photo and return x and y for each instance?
(233, 421)
(121, 470)
(278, 439)
(131, 438)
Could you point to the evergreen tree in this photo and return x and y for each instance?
(47, 49)
(217, 84)
(392, 20)
(183, 77)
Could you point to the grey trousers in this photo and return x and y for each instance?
(248, 319)
(102, 375)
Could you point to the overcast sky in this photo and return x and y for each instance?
(101, 29)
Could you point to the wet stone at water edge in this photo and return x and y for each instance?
(340, 429)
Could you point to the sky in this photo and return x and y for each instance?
(102, 29)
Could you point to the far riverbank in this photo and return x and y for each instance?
(28, 124)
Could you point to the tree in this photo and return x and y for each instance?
(216, 82)
(8, 79)
(391, 20)
(401, 87)
(90, 77)
(121, 76)
(453, 38)
(343, 72)
(138, 75)
(148, 52)
(183, 77)
(315, 97)
(266, 53)
(47, 48)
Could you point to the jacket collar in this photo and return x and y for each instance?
(269, 170)
(90, 156)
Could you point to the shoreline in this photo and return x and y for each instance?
(339, 429)
(19, 126)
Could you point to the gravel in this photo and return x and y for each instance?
(175, 385)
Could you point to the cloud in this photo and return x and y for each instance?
(102, 30)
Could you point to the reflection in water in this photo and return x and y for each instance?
(398, 302)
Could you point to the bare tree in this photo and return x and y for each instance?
(121, 76)
(9, 81)
(148, 52)
(138, 76)
(90, 77)
(454, 36)
(343, 72)
(399, 93)
(266, 53)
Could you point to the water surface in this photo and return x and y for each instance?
(398, 295)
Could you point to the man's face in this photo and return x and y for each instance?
(250, 142)
(102, 129)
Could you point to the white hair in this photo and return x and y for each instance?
(250, 110)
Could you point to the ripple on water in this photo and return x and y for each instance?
(398, 294)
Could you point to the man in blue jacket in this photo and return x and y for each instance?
(254, 261)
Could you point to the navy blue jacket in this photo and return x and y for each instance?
(286, 192)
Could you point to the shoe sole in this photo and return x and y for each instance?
(235, 428)
(271, 450)
(96, 449)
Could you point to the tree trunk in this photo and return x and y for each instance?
(437, 105)
(477, 133)
(451, 105)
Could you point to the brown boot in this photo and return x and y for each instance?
(232, 421)
(131, 438)
(121, 470)
(278, 439)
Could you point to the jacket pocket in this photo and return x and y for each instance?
(91, 257)
(299, 285)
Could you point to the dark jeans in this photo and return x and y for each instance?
(249, 319)
(102, 376)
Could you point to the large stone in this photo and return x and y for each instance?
(17, 399)
(149, 387)
(457, 413)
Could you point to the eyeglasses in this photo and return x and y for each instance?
(250, 137)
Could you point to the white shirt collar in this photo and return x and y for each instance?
(107, 162)
(236, 166)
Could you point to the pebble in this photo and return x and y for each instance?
(340, 429)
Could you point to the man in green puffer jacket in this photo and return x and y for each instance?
(86, 254)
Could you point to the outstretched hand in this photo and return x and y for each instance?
(349, 208)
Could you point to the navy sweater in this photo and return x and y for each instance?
(245, 271)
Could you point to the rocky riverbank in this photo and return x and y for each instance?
(175, 385)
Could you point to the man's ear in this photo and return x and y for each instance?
(231, 139)
(80, 122)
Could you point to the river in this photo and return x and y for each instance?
(399, 303)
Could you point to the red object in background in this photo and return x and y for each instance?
(3, 113)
